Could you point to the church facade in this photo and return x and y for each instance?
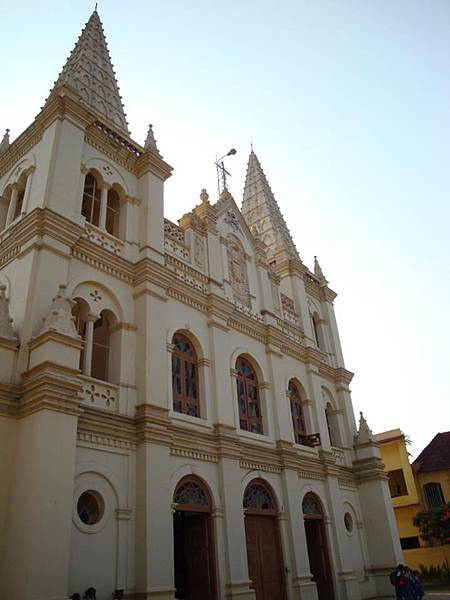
(175, 413)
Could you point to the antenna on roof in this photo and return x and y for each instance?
(222, 172)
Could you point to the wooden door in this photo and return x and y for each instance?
(198, 556)
(265, 563)
(318, 558)
(194, 559)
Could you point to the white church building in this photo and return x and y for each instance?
(175, 413)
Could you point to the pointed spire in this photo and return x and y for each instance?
(6, 330)
(60, 317)
(4, 144)
(365, 434)
(318, 272)
(90, 72)
(260, 210)
(150, 142)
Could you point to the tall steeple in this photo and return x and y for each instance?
(90, 72)
(261, 211)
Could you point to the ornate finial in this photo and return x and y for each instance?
(364, 433)
(60, 317)
(318, 271)
(204, 196)
(6, 330)
(251, 146)
(4, 144)
(95, 9)
(150, 142)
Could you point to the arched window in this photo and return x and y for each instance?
(113, 212)
(433, 494)
(317, 328)
(90, 208)
(95, 358)
(298, 419)
(80, 311)
(312, 507)
(101, 344)
(258, 497)
(190, 493)
(185, 376)
(332, 425)
(5, 200)
(328, 417)
(250, 417)
(21, 185)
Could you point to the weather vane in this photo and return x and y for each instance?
(222, 173)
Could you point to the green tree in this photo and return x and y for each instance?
(434, 524)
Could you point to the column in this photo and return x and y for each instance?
(302, 586)
(34, 562)
(26, 195)
(103, 206)
(88, 344)
(123, 517)
(238, 581)
(12, 206)
(154, 524)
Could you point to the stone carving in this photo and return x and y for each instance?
(232, 220)
(60, 317)
(6, 330)
(103, 239)
(95, 296)
(99, 394)
(237, 269)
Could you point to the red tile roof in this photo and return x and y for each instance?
(435, 456)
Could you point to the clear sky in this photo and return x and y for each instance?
(347, 104)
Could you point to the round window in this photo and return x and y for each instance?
(348, 521)
(90, 507)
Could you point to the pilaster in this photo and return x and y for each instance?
(35, 560)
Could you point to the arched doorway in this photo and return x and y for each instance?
(319, 561)
(195, 573)
(265, 562)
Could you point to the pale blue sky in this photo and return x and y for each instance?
(348, 108)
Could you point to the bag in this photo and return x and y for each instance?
(393, 577)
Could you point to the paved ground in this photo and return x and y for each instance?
(438, 596)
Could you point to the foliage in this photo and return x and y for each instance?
(434, 524)
(439, 573)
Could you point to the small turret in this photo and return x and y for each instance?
(318, 272)
(4, 144)
(60, 317)
(150, 142)
(365, 434)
